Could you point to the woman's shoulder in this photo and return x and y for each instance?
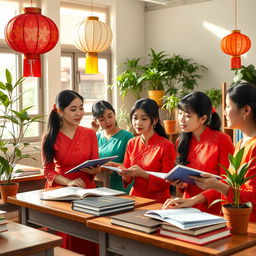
(86, 130)
(125, 133)
(162, 140)
(220, 135)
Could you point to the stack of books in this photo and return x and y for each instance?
(190, 225)
(3, 222)
(137, 221)
(102, 205)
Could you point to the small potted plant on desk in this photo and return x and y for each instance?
(236, 213)
(170, 104)
(12, 131)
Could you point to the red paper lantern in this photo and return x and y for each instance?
(32, 34)
(235, 44)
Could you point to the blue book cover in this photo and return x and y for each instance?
(92, 163)
(180, 172)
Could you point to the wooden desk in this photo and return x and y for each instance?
(22, 240)
(59, 216)
(126, 241)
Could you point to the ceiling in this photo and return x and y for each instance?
(158, 4)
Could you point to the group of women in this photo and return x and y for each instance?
(201, 145)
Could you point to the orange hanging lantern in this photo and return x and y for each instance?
(235, 45)
(92, 36)
(32, 34)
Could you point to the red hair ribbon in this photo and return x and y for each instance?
(213, 110)
(54, 108)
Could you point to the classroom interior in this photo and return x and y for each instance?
(190, 28)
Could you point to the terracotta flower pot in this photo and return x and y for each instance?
(8, 190)
(157, 96)
(169, 126)
(238, 218)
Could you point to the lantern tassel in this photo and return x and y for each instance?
(91, 65)
(32, 65)
(235, 62)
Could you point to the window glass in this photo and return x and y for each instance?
(66, 68)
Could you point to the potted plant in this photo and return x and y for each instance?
(130, 79)
(12, 133)
(245, 73)
(215, 96)
(170, 104)
(236, 213)
(155, 76)
(183, 75)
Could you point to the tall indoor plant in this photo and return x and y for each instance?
(236, 213)
(12, 132)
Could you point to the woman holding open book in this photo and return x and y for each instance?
(201, 145)
(65, 145)
(150, 151)
(240, 113)
(112, 140)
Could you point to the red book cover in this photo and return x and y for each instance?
(199, 240)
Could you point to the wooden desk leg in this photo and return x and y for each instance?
(24, 216)
(103, 243)
(49, 252)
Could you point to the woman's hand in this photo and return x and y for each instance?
(178, 203)
(76, 183)
(91, 170)
(94, 125)
(134, 171)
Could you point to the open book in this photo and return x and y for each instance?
(185, 218)
(92, 163)
(180, 172)
(73, 193)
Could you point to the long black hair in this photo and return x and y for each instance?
(151, 109)
(200, 104)
(244, 94)
(63, 99)
(99, 107)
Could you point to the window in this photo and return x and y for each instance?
(92, 87)
(12, 60)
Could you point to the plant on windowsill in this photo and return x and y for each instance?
(12, 132)
(170, 104)
(236, 213)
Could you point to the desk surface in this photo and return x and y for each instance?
(22, 240)
(226, 246)
(63, 209)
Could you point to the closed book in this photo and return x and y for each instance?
(180, 172)
(103, 203)
(199, 240)
(136, 220)
(91, 163)
(72, 193)
(193, 231)
(103, 212)
(185, 218)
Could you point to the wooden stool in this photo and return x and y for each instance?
(58, 251)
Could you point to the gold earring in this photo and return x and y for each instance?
(244, 117)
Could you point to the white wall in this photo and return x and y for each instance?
(181, 30)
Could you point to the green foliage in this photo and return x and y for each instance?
(245, 74)
(130, 80)
(237, 177)
(170, 103)
(12, 148)
(215, 96)
(123, 119)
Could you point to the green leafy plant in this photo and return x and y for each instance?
(123, 119)
(215, 96)
(245, 74)
(170, 103)
(130, 80)
(236, 178)
(14, 127)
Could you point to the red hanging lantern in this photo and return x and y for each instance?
(235, 45)
(32, 34)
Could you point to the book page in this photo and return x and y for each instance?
(168, 213)
(63, 192)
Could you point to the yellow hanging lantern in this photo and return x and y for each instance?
(92, 36)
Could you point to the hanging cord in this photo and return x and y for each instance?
(235, 14)
(92, 6)
(31, 4)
